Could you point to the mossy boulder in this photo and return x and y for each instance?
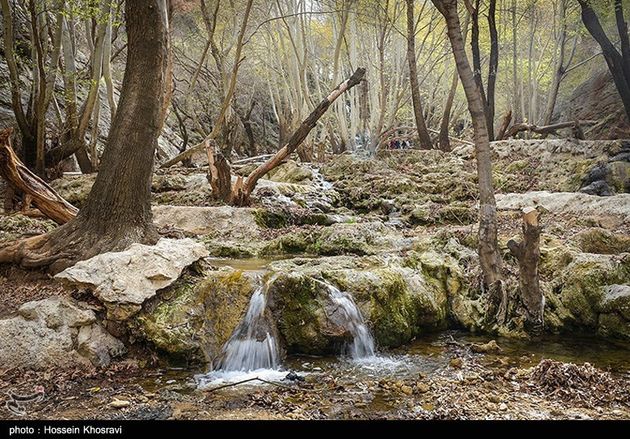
(579, 290)
(194, 318)
(291, 172)
(305, 315)
(397, 301)
(74, 188)
(602, 241)
(614, 308)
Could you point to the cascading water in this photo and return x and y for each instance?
(362, 345)
(252, 346)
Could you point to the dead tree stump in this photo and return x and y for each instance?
(527, 252)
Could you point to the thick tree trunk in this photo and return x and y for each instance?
(118, 209)
(527, 252)
(423, 133)
(19, 177)
(489, 254)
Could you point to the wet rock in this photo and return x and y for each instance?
(399, 301)
(123, 281)
(194, 317)
(486, 348)
(55, 332)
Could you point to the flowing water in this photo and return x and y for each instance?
(362, 345)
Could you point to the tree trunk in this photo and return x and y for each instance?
(489, 254)
(527, 253)
(423, 133)
(613, 59)
(117, 212)
(493, 66)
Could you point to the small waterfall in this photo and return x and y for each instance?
(252, 345)
(362, 345)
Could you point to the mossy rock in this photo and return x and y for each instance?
(75, 188)
(290, 172)
(278, 218)
(602, 241)
(16, 226)
(193, 318)
(613, 325)
(305, 315)
(580, 287)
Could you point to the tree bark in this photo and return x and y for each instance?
(19, 177)
(489, 254)
(618, 68)
(423, 133)
(493, 66)
(117, 212)
(527, 252)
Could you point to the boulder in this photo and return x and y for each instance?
(124, 280)
(291, 172)
(602, 241)
(194, 317)
(576, 204)
(399, 300)
(55, 332)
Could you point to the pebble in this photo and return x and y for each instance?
(494, 398)
(119, 404)
(503, 406)
(457, 363)
(422, 387)
(406, 390)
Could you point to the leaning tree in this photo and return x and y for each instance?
(118, 209)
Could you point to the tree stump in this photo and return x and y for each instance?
(527, 252)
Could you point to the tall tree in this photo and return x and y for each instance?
(618, 63)
(118, 209)
(423, 132)
(489, 254)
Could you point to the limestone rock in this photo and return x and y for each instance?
(55, 332)
(194, 317)
(124, 280)
(577, 204)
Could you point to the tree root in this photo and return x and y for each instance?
(70, 243)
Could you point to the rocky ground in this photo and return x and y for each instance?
(397, 232)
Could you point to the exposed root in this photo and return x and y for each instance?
(70, 243)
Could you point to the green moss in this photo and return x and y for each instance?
(602, 241)
(613, 325)
(194, 317)
(16, 226)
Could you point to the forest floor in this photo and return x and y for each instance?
(464, 385)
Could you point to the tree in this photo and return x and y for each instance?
(118, 209)
(489, 254)
(423, 133)
(618, 63)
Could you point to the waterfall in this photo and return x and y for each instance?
(252, 345)
(362, 342)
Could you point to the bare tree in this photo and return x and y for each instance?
(489, 254)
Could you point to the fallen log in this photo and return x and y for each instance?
(19, 177)
(546, 129)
